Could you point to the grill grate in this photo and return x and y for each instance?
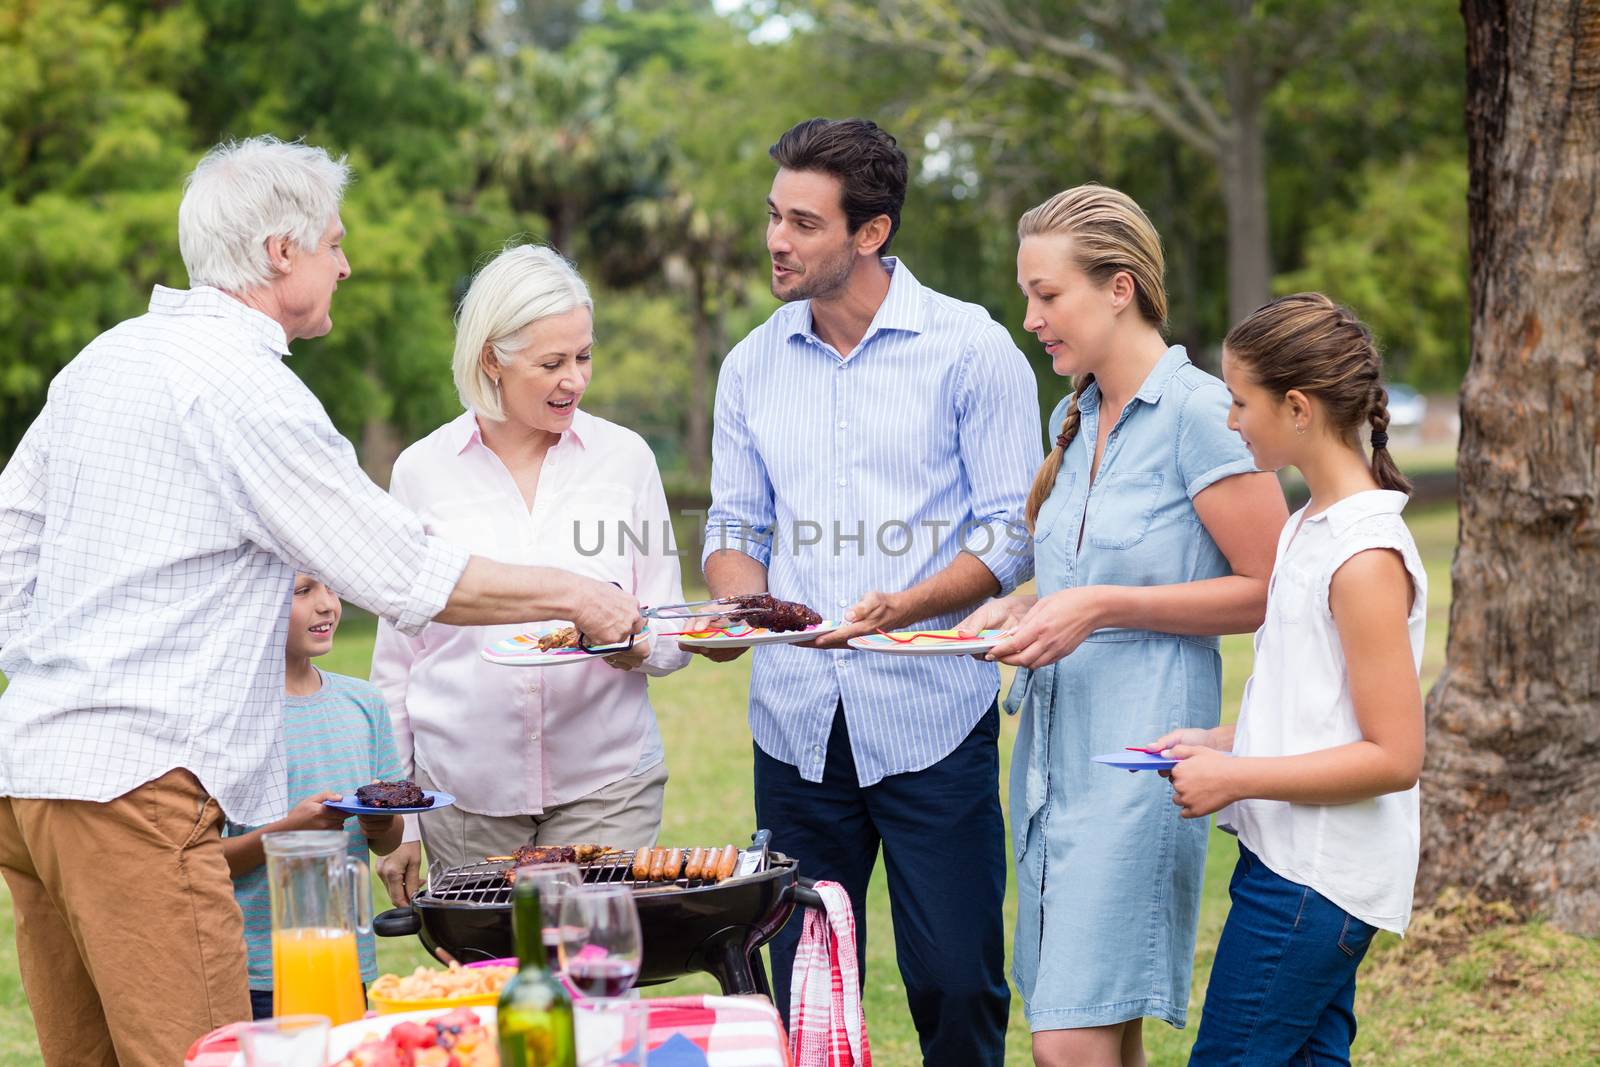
(486, 883)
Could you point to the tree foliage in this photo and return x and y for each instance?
(1399, 254)
(634, 137)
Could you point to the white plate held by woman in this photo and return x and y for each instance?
(523, 650)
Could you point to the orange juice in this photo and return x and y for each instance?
(317, 972)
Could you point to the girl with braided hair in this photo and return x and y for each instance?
(1318, 778)
(1152, 534)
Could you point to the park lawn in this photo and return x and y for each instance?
(1466, 987)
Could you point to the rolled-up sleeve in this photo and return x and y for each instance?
(300, 494)
(22, 495)
(741, 514)
(998, 429)
(1207, 450)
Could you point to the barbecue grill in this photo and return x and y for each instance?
(687, 925)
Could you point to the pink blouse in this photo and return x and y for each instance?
(518, 740)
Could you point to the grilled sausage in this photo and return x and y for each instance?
(674, 864)
(641, 864)
(697, 858)
(658, 863)
(726, 862)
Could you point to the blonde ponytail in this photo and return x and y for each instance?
(1045, 481)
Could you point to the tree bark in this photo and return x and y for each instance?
(1511, 787)
(1243, 166)
(701, 383)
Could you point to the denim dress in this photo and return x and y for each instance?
(1108, 873)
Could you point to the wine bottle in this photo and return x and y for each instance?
(535, 1013)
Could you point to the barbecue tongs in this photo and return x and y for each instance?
(700, 608)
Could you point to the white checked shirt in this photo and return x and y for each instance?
(872, 472)
(151, 523)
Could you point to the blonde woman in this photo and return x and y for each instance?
(557, 754)
(1153, 533)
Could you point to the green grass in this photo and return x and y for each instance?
(1466, 987)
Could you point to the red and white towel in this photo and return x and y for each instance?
(827, 1027)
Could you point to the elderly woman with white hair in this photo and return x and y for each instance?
(557, 754)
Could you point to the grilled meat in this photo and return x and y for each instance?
(769, 613)
(402, 794)
(566, 637)
(530, 854)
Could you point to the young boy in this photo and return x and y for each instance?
(336, 739)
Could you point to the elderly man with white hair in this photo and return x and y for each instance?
(545, 755)
(151, 524)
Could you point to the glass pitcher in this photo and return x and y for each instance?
(320, 902)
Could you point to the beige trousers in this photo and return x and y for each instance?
(128, 937)
(624, 814)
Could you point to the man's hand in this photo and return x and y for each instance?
(873, 612)
(312, 814)
(1204, 780)
(401, 872)
(604, 614)
(715, 655)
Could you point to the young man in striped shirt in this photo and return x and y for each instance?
(874, 445)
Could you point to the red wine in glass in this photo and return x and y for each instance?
(602, 976)
(552, 948)
(553, 936)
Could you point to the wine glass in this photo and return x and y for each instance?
(600, 943)
(553, 880)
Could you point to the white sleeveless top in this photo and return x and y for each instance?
(1362, 856)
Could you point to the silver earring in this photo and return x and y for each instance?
(1298, 427)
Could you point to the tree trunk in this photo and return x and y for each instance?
(1511, 788)
(700, 384)
(1244, 188)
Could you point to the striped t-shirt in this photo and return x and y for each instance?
(335, 739)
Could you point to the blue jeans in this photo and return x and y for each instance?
(1283, 986)
(943, 841)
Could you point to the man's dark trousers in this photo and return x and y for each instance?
(943, 843)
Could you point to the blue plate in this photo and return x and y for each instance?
(1136, 761)
(440, 800)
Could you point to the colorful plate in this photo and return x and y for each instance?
(928, 643)
(523, 649)
(341, 1039)
(1136, 761)
(440, 800)
(741, 635)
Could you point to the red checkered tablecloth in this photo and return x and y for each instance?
(730, 1031)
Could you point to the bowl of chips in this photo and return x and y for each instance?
(429, 987)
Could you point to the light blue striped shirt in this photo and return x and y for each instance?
(870, 473)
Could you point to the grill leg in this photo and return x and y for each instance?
(758, 971)
(730, 965)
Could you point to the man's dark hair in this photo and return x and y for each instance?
(865, 159)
